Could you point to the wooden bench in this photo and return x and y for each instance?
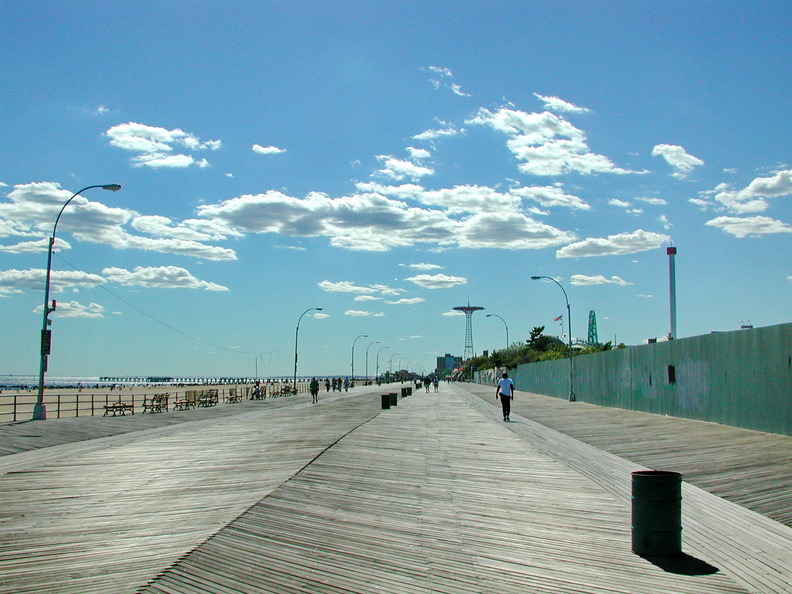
(208, 399)
(285, 390)
(155, 403)
(118, 407)
(189, 400)
(233, 396)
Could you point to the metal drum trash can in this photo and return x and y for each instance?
(394, 399)
(409, 391)
(404, 392)
(656, 513)
(385, 401)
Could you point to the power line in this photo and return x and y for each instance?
(168, 326)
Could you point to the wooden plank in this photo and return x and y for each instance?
(413, 502)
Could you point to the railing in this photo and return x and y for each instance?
(19, 406)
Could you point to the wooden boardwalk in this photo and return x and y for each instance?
(435, 495)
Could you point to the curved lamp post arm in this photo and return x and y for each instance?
(505, 324)
(376, 372)
(353, 354)
(367, 350)
(296, 337)
(569, 337)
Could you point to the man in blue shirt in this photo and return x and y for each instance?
(506, 392)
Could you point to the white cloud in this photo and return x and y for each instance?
(744, 226)
(407, 301)
(344, 287)
(418, 153)
(367, 298)
(440, 70)
(159, 277)
(678, 158)
(598, 279)
(547, 144)
(74, 309)
(40, 245)
(398, 169)
(60, 280)
(422, 266)
(444, 81)
(362, 314)
(267, 150)
(505, 230)
(620, 203)
(752, 198)
(155, 145)
(614, 245)
(452, 313)
(653, 201)
(434, 134)
(551, 196)
(556, 104)
(469, 199)
(437, 281)
(365, 292)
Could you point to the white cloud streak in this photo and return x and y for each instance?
(154, 145)
(614, 245)
(678, 158)
(547, 144)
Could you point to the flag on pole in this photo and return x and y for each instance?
(558, 318)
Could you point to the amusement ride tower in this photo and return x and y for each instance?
(468, 309)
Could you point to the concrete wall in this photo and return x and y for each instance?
(741, 378)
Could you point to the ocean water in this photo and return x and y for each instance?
(31, 381)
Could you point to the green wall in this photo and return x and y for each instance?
(741, 378)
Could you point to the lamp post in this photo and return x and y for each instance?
(296, 336)
(390, 363)
(39, 409)
(367, 349)
(353, 355)
(399, 367)
(376, 371)
(504, 323)
(569, 337)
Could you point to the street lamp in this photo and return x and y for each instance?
(504, 323)
(399, 367)
(367, 349)
(376, 372)
(569, 337)
(390, 363)
(353, 355)
(39, 409)
(296, 336)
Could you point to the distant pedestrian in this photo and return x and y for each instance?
(505, 391)
(436, 384)
(427, 381)
(327, 384)
(314, 390)
(346, 384)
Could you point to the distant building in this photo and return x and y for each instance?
(448, 362)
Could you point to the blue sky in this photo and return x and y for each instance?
(387, 162)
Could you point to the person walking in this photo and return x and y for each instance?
(505, 391)
(314, 390)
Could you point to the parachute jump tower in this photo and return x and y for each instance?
(468, 310)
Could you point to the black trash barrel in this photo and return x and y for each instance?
(404, 392)
(409, 391)
(656, 513)
(385, 401)
(394, 399)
